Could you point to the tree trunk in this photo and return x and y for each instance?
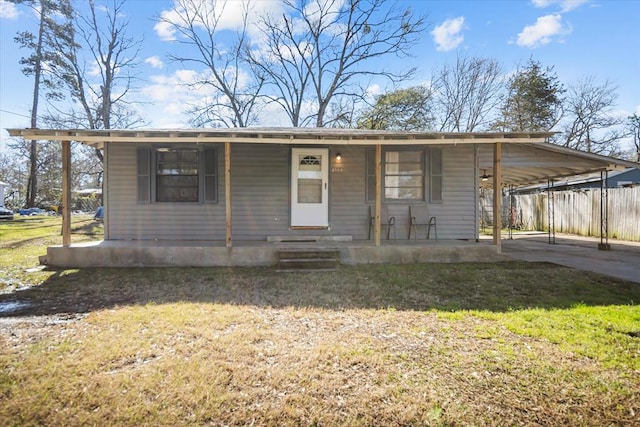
(32, 183)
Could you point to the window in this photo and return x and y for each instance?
(177, 175)
(404, 175)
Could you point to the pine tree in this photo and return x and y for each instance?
(533, 102)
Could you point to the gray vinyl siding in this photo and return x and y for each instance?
(455, 214)
(348, 208)
(260, 187)
(130, 220)
(260, 191)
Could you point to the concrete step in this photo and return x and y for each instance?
(308, 254)
(294, 260)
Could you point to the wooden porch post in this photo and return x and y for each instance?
(66, 193)
(227, 190)
(377, 227)
(497, 195)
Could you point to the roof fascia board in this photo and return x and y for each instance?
(297, 136)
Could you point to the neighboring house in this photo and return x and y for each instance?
(616, 179)
(219, 196)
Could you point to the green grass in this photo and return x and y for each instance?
(507, 343)
(25, 239)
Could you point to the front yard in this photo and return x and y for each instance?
(440, 344)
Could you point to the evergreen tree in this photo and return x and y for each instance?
(39, 63)
(533, 102)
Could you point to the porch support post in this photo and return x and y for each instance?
(66, 193)
(227, 191)
(497, 195)
(377, 228)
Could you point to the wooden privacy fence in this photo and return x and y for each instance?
(576, 212)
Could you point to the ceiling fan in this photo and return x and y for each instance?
(484, 177)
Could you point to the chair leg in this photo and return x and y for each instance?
(432, 223)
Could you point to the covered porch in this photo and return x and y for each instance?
(505, 159)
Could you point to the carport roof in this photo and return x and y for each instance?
(534, 163)
(528, 157)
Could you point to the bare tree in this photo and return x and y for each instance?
(592, 126)
(236, 91)
(285, 66)
(320, 51)
(41, 58)
(113, 55)
(407, 109)
(467, 92)
(633, 125)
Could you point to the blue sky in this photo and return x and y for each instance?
(579, 38)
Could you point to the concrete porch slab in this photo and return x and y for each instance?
(259, 254)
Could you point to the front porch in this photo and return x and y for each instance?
(164, 253)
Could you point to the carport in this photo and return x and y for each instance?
(517, 166)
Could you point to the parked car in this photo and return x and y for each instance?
(6, 213)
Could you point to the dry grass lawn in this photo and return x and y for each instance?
(464, 344)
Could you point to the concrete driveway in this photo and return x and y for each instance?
(622, 261)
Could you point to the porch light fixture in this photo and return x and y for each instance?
(484, 176)
(338, 156)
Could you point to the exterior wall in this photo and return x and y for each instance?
(260, 187)
(130, 220)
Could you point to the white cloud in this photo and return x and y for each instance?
(227, 15)
(171, 95)
(543, 31)
(373, 90)
(8, 10)
(154, 61)
(163, 28)
(447, 35)
(565, 5)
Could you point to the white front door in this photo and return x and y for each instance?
(309, 187)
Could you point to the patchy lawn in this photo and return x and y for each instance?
(434, 344)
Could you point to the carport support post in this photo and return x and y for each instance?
(551, 212)
(497, 195)
(227, 191)
(604, 211)
(66, 193)
(377, 227)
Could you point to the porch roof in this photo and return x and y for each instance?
(538, 161)
(301, 136)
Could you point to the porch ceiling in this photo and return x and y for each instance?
(289, 136)
(534, 163)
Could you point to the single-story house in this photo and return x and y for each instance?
(208, 197)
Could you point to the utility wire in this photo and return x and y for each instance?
(15, 114)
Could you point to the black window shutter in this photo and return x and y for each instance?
(210, 175)
(144, 174)
(435, 174)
